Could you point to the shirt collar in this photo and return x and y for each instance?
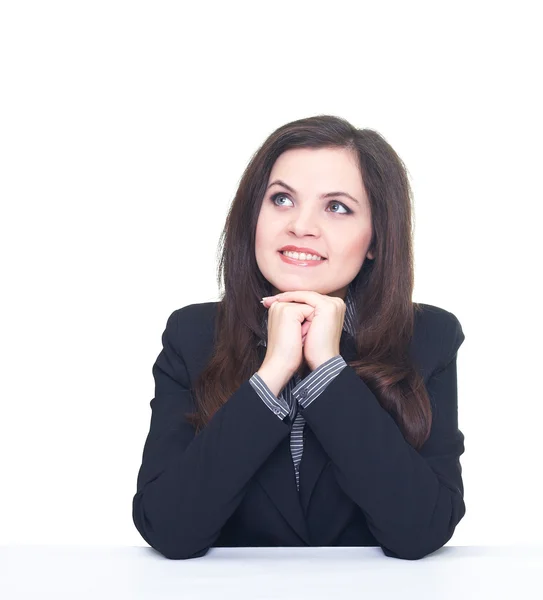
(348, 322)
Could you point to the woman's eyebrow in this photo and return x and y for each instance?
(327, 195)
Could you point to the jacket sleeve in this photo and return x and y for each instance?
(188, 486)
(314, 383)
(412, 499)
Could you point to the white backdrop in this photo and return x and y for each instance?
(124, 130)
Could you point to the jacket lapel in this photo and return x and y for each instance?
(314, 458)
(277, 476)
(278, 480)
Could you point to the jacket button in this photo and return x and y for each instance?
(277, 411)
(303, 393)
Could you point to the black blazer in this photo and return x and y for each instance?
(361, 483)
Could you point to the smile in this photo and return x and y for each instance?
(301, 263)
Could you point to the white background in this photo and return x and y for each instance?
(124, 130)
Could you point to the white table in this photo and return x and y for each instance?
(139, 572)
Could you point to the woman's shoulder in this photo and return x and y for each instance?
(437, 332)
(429, 316)
(190, 332)
(192, 318)
(197, 310)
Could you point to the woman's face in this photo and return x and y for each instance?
(336, 227)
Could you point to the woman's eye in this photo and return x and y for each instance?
(347, 210)
(275, 196)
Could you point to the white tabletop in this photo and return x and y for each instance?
(138, 572)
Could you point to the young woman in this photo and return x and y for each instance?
(326, 414)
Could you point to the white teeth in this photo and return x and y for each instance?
(301, 256)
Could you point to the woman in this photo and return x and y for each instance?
(325, 415)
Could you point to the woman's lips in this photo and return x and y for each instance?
(301, 263)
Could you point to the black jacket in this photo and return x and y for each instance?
(361, 483)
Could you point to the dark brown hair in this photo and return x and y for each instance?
(382, 288)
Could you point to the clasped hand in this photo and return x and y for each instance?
(326, 323)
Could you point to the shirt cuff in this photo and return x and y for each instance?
(315, 383)
(277, 405)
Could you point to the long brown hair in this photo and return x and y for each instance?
(382, 288)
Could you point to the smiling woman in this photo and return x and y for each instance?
(311, 212)
(343, 369)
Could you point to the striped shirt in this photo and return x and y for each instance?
(302, 391)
